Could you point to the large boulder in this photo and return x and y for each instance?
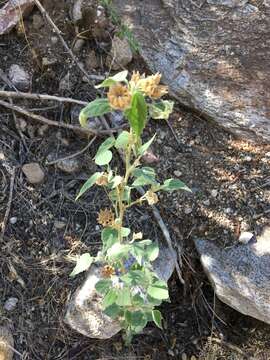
(240, 275)
(214, 55)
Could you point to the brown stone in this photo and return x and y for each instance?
(33, 173)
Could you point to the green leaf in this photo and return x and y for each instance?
(89, 183)
(138, 319)
(104, 155)
(125, 231)
(119, 77)
(117, 251)
(122, 140)
(109, 237)
(158, 290)
(137, 300)
(174, 184)
(126, 195)
(145, 147)
(124, 297)
(133, 277)
(103, 158)
(110, 298)
(83, 263)
(116, 181)
(152, 251)
(103, 286)
(161, 110)
(95, 108)
(137, 114)
(113, 311)
(157, 318)
(143, 180)
(145, 171)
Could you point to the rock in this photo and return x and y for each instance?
(19, 77)
(43, 129)
(33, 173)
(92, 123)
(46, 62)
(6, 344)
(12, 12)
(209, 54)
(177, 173)
(117, 118)
(214, 193)
(22, 124)
(120, 54)
(245, 237)
(150, 158)
(188, 210)
(13, 220)
(78, 45)
(59, 225)
(69, 165)
(240, 275)
(84, 311)
(38, 22)
(91, 61)
(11, 304)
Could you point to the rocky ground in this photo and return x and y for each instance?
(46, 228)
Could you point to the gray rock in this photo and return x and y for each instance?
(19, 77)
(69, 165)
(120, 54)
(78, 45)
(91, 61)
(84, 312)
(33, 173)
(66, 83)
(11, 304)
(240, 275)
(209, 54)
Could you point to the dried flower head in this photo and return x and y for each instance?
(103, 180)
(151, 197)
(137, 236)
(150, 86)
(106, 217)
(119, 97)
(136, 79)
(107, 271)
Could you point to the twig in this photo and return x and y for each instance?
(11, 187)
(72, 155)
(159, 220)
(41, 97)
(58, 33)
(55, 123)
(18, 127)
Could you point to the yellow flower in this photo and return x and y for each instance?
(103, 180)
(119, 97)
(151, 197)
(106, 217)
(150, 86)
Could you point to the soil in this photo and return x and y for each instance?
(230, 182)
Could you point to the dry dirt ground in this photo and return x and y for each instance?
(231, 193)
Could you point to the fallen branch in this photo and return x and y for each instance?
(72, 155)
(40, 97)
(11, 188)
(44, 120)
(58, 33)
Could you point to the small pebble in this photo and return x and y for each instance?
(267, 154)
(245, 237)
(188, 210)
(78, 45)
(184, 356)
(11, 304)
(247, 158)
(206, 202)
(228, 210)
(13, 220)
(59, 224)
(19, 77)
(214, 193)
(69, 165)
(33, 173)
(177, 173)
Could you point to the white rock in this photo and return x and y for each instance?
(120, 54)
(13, 220)
(69, 165)
(11, 304)
(19, 77)
(240, 275)
(245, 237)
(214, 193)
(188, 210)
(33, 173)
(177, 173)
(206, 202)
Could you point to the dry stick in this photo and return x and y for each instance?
(41, 97)
(55, 123)
(159, 220)
(58, 33)
(73, 155)
(11, 187)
